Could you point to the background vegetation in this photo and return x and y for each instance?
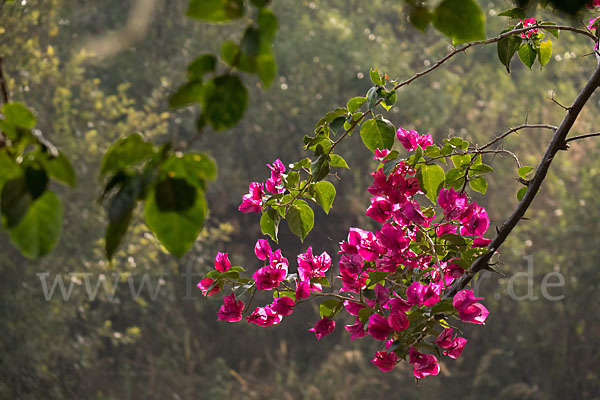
(172, 347)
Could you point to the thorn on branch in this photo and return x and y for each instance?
(560, 105)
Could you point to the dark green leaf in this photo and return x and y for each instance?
(39, 231)
(480, 169)
(15, 201)
(462, 20)
(225, 101)
(377, 133)
(507, 48)
(36, 181)
(216, 10)
(364, 314)
(267, 25)
(325, 194)
(176, 230)
(300, 219)
(188, 93)
(372, 97)
(553, 32)
(200, 66)
(332, 115)
(329, 307)
(515, 13)
(174, 194)
(420, 17)
(250, 41)
(320, 168)
(126, 152)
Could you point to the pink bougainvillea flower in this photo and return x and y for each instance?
(252, 201)
(302, 290)
(380, 209)
(481, 242)
(283, 306)
(592, 4)
(264, 316)
(393, 238)
(423, 364)
(382, 294)
(454, 204)
(411, 139)
(528, 22)
(456, 347)
(398, 320)
(380, 154)
(385, 361)
(205, 283)
(469, 310)
(477, 223)
(268, 277)
(353, 307)
(222, 263)
(378, 328)
(273, 186)
(323, 327)
(414, 294)
(231, 310)
(396, 303)
(262, 249)
(443, 229)
(431, 294)
(356, 330)
(277, 168)
(444, 340)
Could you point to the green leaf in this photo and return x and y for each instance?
(120, 212)
(355, 103)
(321, 280)
(250, 41)
(269, 223)
(364, 314)
(553, 32)
(478, 184)
(454, 178)
(432, 179)
(39, 231)
(267, 68)
(523, 171)
(300, 219)
(267, 25)
(15, 201)
(18, 115)
(338, 161)
(177, 230)
(188, 93)
(545, 52)
(376, 77)
(507, 48)
(521, 193)
(174, 194)
(320, 168)
(462, 20)
(216, 10)
(515, 13)
(126, 152)
(193, 167)
(480, 169)
(377, 133)
(444, 306)
(372, 97)
(60, 168)
(461, 161)
(390, 165)
(36, 181)
(325, 193)
(331, 116)
(420, 17)
(201, 65)
(527, 54)
(329, 307)
(225, 101)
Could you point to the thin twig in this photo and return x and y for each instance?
(587, 135)
(518, 128)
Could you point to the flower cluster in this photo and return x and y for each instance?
(391, 281)
(528, 22)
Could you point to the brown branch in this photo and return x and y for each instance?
(557, 143)
(3, 86)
